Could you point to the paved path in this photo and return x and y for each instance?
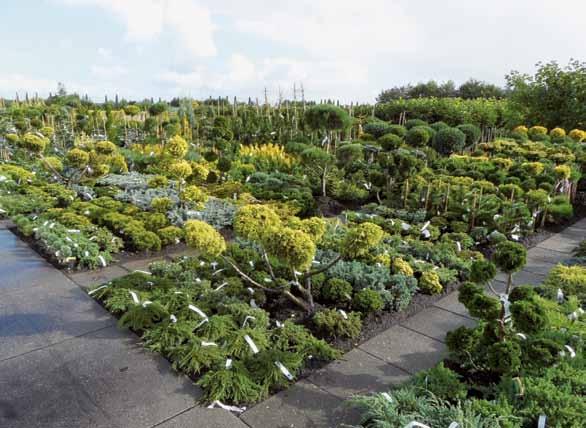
(64, 363)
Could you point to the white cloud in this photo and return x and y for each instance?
(329, 28)
(145, 20)
(183, 81)
(105, 54)
(242, 76)
(21, 83)
(108, 72)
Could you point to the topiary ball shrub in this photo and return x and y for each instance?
(412, 123)
(577, 135)
(377, 128)
(528, 317)
(510, 256)
(560, 209)
(504, 357)
(390, 142)
(438, 126)
(417, 137)
(448, 141)
(429, 283)
(336, 290)
(557, 133)
(333, 323)
(204, 238)
(522, 292)
(482, 271)
(367, 301)
(541, 352)
(472, 133)
(441, 382)
(536, 130)
(398, 130)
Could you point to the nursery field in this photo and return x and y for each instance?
(313, 227)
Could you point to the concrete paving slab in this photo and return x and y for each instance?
(88, 279)
(549, 256)
(538, 266)
(522, 277)
(40, 316)
(559, 243)
(574, 233)
(451, 303)
(406, 349)
(202, 417)
(136, 387)
(37, 390)
(21, 267)
(436, 322)
(304, 405)
(358, 373)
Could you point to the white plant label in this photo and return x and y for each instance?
(197, 311)
(251, 343)
(96, 289)
(387, 397)
(135, 298)
(226, 407)
(343, 313)
(284, 370)
(173, 319)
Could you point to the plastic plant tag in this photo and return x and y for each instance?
(415, 424)
(458, 246)
(387, 397)
(252, 345)
(250, 290)
(102, 261)
(522, 336)
(228, 363)
(405, 227)
(201, 323)
(173, 319)
(454, 425)
(560, 295)
(135, 298)
(218, 271)
(284, 370)
(213, 265)
(343, 313)
(142, 271)
(202, 263)
(426, 233)
(251, 263)
(197, 311)
(73, 231)
(248, 317)
(219, 287)
(205, 344)
(426, 225)
(253, 304)
(96, 289)
(541, 421)
(146, 303)
(279, 324)
(198, 280)
(571, 351)
(221, 405)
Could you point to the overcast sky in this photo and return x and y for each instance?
(341, 49)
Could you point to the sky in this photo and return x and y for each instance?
(345, 50)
